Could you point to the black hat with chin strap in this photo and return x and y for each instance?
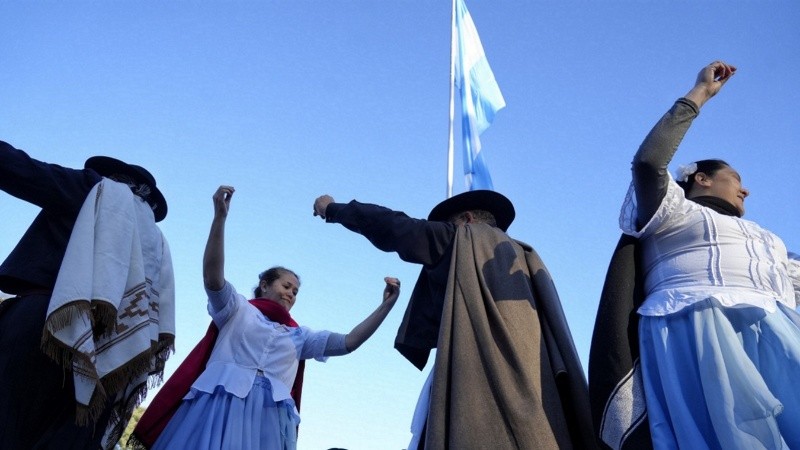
(107, 167)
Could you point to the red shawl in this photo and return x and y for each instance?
(168, 399)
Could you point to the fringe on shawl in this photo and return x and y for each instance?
(150, 363)
(122, 411)
(72, 360)
(135, 444)
(58, 320)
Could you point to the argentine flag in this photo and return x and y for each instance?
(480, 97)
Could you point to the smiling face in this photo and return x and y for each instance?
(282, 290)
(725, 184)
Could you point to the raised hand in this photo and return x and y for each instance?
(709, 81)
(392, 289)
(222, 200)
(320, 204)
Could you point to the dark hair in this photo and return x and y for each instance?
(270, 275)
(479, 214)
(706, 166)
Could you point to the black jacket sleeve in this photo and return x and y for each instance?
(56, 189)
(415, 240)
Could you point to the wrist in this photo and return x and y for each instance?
(331, 210)
(699, 94)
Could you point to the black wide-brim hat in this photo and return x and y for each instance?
(491, 201)
(107, 166)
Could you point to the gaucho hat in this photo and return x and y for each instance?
(107, 166)
(491, 201)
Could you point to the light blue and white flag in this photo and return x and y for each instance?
(480, 96)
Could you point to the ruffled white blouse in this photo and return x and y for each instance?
(249, 344)
(691, 253)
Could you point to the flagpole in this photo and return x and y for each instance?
(452, 101)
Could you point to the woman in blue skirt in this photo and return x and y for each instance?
(719, 335)
(245, 378)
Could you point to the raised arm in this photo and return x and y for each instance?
(651, 160)
(59, 190)
(367, 327)
(214, 255)
(709, 81)
(414, 240)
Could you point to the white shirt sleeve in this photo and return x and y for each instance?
(314, 343)
(223, 304)
(674, 204)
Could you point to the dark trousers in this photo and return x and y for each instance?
(37, 399)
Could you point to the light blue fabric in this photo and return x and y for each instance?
(480, 97)
(226, 422)
(722, 378)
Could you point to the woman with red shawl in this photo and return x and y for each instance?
(250, 365)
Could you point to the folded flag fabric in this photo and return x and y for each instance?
(480, 96)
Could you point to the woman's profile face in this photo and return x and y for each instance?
(727, 185)
(283, 290)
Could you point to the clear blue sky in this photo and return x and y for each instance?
(288, 100)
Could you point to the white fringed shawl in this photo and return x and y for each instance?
(111, 318)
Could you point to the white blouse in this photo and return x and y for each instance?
(692, 253)
(249, 344)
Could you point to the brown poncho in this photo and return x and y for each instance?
(506, 375)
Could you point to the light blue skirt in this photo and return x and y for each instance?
(722, 378)
(224, 421)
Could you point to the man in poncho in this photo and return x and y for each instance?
(506, 374)
(92, 315)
